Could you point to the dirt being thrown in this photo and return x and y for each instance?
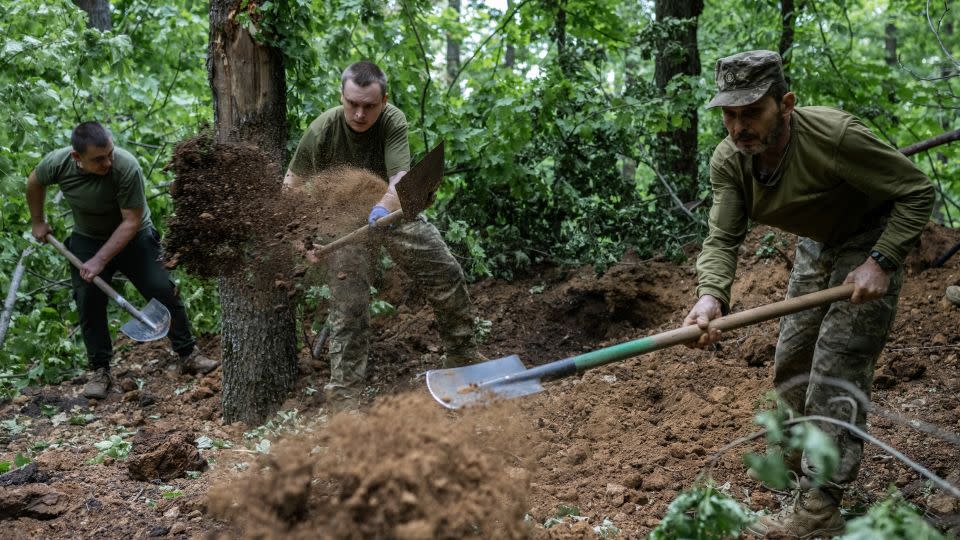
(406, 469)
(231, 209)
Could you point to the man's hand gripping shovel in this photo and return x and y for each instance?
(148, 325)
(417, 191)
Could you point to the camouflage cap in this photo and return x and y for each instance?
(745, 77)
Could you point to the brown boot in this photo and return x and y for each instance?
(196, 363)
(98, 384)
(815, 513)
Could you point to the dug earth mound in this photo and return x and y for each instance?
(406, 469)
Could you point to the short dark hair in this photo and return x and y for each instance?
(777, 90)
(87, 134)
(363, 74)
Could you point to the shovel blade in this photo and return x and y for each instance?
(154, 312)
(418, 188)
(455, 388)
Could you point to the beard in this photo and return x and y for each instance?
(771, 138)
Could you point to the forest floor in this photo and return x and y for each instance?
(614, 445)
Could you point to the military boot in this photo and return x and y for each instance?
(196, 363)
(98, 384)
(814, 513)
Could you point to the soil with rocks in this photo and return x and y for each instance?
(617, 443)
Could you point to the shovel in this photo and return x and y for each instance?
(148, 325)
(507, 378)
(417, 190)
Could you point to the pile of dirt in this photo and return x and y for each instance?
(405, 469)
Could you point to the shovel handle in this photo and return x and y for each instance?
(99, 282)
(685, 334)
(358, 234)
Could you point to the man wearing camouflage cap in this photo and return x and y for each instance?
(857, 206)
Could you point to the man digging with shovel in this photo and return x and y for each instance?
(857, 206)
(112, 232)
(367, 132)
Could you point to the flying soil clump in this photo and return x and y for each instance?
(231, 211)
(405, 469)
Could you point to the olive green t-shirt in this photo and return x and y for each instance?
(96, 200)
(836, 179)
(329, 141)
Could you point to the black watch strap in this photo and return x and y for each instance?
(883, 261)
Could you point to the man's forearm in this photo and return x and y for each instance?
(118, 240)
(36, 197)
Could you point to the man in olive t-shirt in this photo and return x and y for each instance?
(112, 232)
(367, 132)
(858, 206)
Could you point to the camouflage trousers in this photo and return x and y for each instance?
(842, 341)
(418, 249)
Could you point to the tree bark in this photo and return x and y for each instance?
(788, 18)
(510, 56)
(258, 339)
(98, 13)
(453, 46)
(890, 43)
(676, 149)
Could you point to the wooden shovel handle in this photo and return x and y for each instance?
(99, 282)
(358, 234)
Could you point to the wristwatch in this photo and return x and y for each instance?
(886, 264)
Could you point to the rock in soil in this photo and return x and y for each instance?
(37, 501)
(164, 455)
(28, 474)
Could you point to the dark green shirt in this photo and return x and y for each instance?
(96, 200)
(836, 179)
(329, 141)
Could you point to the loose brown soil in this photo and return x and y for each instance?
(618, 442)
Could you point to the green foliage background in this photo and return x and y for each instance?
(548, 157)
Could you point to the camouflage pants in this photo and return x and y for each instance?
(419, 250)
(842, 340)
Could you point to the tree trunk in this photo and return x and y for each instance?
(258, 340)
(510, 57)
(98, 12)
(788, 19)
(453, 46)
(676, 149)
(890, 43)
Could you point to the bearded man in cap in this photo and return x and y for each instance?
(857, 206)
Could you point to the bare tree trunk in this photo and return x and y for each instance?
(258, 340)
(453, 46)
(890, 43)
(676, 149)
(510, 57)
(15, 279)
(788, 19)
(98, 12)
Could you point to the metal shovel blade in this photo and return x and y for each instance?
(418, 188)
(470, 385)
(158, 317)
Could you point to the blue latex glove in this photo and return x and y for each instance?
(376, 213)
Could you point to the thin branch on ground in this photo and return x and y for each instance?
(11, 299)
(940, 482)
(870, 407)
